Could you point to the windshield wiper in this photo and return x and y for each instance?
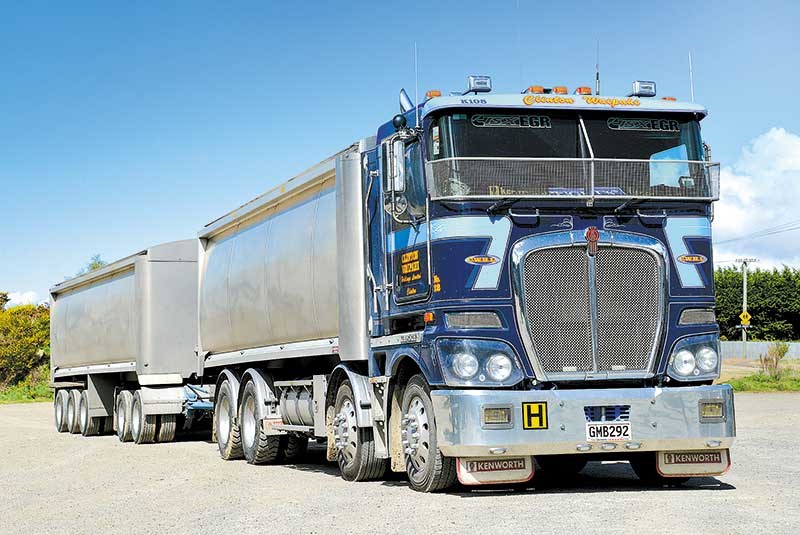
(502, 204)
(627, 204)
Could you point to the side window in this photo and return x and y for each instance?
(415, 180)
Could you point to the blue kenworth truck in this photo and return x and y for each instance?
(492, 285)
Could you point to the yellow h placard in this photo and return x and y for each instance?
(534, 415)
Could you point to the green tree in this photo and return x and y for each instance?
(24, 341)
(94, 263)
(773, 300)
(4, 299)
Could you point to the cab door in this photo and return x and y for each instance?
(406, 220)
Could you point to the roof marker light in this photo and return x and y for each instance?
(535, 89)
(671, 99)
(583, 90)
(560, 90)
(433, 93)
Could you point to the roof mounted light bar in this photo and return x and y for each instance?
(478, 84)
(643, 89)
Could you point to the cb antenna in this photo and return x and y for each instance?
(691, 76)
(416, 87)
(597, 70)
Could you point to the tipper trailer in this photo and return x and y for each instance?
(122, 344)
(490, 283)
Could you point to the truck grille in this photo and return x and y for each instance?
(592, 315)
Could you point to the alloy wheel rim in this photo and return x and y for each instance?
(121, 417)
(249, 422)
(136, 416)
(345, 432)
(416, 434)
(84, 412)
(224, 420)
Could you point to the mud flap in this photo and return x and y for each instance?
(693, 463)
(493, 470)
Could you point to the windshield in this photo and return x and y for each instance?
(545, 153)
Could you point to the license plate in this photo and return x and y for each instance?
(608, 431)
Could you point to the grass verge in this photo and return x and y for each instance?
(788, 381)
(32, 388)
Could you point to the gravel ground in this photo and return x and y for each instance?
(60, 483)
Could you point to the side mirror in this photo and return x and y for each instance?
(398, 177)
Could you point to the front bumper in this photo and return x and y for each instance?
(662, 419)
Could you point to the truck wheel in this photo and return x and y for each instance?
(644, 466)
(428, 470)
(73, 422)
(561, 466)
(258, 447)
(60, 410)
(123, 415)
(89, 426)
(228, 434)
(355, 445)
(143, 428)
(167, 425)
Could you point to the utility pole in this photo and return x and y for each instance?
(745, 323)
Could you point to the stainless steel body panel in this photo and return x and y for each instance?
(661, 419)
(140, 310)
(96, 323)
(270, 271)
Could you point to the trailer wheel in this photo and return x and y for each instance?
(73, 422)
(60, 410)
(123, 415)
(89, 426)
(167, 425)
(229, 438)
(644, 466)
(355, 445)
(258, 447)
(143, 427)
(428, 470)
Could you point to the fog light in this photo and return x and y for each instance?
(712, 411)
(497, 416)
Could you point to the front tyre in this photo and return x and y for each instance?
(428, 470)
(355, 446)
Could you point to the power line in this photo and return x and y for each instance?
(768, 231)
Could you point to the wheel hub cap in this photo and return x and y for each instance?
(415, 434)
(345, 431)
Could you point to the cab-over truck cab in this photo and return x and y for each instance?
(542, 286)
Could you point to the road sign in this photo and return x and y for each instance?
(745, 317)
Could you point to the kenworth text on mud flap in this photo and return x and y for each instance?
(493, 282)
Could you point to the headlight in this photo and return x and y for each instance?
(695, 358)
(683, 362)
(474, 362)
(465, 365)
(499, 367)
(707, 359)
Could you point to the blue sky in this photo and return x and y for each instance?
(125, 124)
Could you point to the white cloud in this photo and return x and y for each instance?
(760, 190)
(23, 298)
